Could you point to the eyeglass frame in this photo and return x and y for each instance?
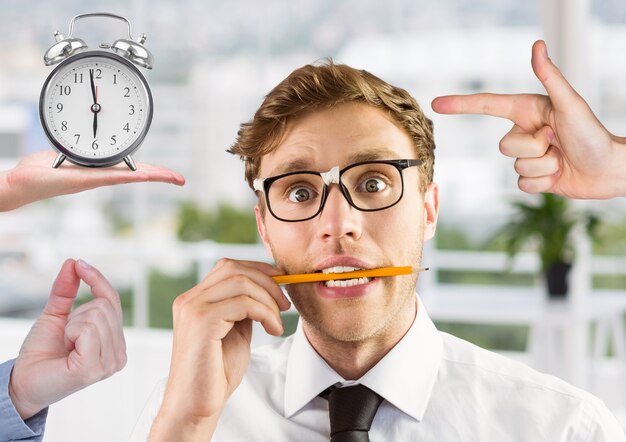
(333, 176)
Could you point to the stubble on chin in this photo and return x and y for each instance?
(356, 320)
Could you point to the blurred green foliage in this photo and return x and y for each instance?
(453, 238)
(164, 289)
(290, 321)
(485, 278)
(610, 238)
(492, 337)
(226, 224)
(546, 224)
(612, 282)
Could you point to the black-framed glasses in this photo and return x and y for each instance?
(367, 186)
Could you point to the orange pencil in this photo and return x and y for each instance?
(371, 273)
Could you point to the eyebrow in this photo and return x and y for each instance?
(378, 153)
(302, 164)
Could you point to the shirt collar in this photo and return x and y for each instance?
(405, 377)
(307, 374)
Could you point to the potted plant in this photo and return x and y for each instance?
(547, 225)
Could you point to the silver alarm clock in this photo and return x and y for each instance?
(96, 106)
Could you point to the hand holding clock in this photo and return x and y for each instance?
(33, 179)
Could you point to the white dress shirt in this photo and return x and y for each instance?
(436, 388)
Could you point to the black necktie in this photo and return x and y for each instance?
(351, 411)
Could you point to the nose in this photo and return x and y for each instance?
(338, 218)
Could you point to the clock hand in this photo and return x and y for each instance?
(95, 124)
(93, 87)
(95, 107)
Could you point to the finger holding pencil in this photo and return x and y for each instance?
(370, 273)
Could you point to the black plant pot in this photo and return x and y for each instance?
(556, 278)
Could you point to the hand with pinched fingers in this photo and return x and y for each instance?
(34, 179)
(211, 349)
(67, 350)
(560, 145)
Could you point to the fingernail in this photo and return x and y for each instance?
(84, 264)
(545, 50)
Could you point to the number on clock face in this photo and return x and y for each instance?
(96, 107)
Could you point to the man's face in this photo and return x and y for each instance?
(344, 236)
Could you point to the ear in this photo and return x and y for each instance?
(260, 225)
(431, 210)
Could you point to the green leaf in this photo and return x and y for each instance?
(544, 225)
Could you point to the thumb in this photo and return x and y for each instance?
(64, 290)
(556, 85)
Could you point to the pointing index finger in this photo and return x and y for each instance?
(496, 105)
(526, 110)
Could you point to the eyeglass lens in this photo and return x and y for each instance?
(371, 186)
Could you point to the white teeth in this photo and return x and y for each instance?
(347, 282)
(340, 269)
(344, 282)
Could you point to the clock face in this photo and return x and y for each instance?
(96, 108)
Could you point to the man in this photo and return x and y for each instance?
(560, 145)
(65, 350)
(342, 163)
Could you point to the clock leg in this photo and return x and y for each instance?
(130, 163)
(59, 159)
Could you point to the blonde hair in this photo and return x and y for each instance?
(323, 86)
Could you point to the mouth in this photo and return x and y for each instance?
(343, 282)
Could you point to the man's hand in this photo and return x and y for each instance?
(560, 145)
(211, 350)
(67, 350)
(34, 179)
